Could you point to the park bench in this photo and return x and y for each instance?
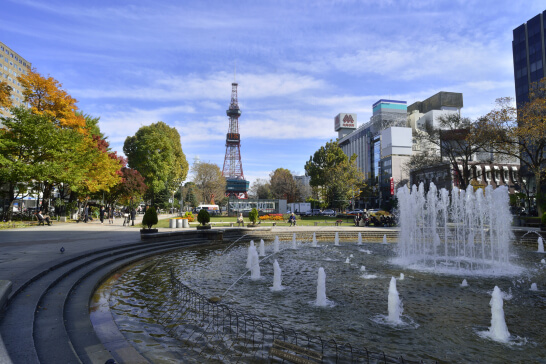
(339, 222)
(293, 353)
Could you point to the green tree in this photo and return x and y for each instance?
(33, 149)
(209, 182)
(156, 152)
(261, 189)
(190, 197)
(150, 217)
(203, 217)
(334, 175)
(253, 216)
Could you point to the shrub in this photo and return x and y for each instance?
(189, 215)
(203, 217)
(544, 218)
(253, 216)
(150, 218)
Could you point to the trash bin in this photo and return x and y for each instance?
(172, 223)
(179, 223)
(185, 223)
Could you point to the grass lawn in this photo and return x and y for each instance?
(305, 221)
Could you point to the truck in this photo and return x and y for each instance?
(299, 208)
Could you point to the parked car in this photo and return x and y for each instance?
(328, 212)
(313, 212)
(355, 212)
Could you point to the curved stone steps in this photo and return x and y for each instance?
(36, 325)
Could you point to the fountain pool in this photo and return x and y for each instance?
(441, 320)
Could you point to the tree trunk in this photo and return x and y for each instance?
(48, 187)
(540, 197)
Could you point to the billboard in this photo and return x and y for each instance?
(345, 121)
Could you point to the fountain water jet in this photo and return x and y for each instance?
(534, 287)
(540, 245)
(498, 330)
(321, 289)
(276, 277)
(314, 244)
(249, 256)
(384, 238)
(294, 246)
(347, 261)
(262, 248)
(276, 245)
(336, 240)
(255, 267)
(359, 239)
(401, 276)
(394, 304)
(470, 233)
(464, 283)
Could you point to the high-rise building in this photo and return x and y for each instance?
(12, 65)
(529, 55)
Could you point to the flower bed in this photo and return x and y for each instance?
(274, 217)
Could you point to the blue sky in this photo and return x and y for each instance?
(299, 63)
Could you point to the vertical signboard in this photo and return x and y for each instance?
(392, 186)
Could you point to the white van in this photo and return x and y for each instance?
(212, 209)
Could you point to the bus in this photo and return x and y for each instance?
(212, 209)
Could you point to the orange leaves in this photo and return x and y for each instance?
(5, 92)
(46, 97)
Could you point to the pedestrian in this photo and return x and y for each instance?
(292, 220)
(240, 220)
(111, 214)
(133, 216)
(85, 214)
(43, 218)
(101, 214)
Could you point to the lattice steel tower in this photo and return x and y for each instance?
(233, 167)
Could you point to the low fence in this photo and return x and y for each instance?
(219, 333)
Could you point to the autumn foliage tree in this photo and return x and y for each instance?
(521, 133)
(5, 95)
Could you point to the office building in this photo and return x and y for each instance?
(12, 65)
(529, 55)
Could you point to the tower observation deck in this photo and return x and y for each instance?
(233, 167)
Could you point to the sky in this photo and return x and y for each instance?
(298, 64)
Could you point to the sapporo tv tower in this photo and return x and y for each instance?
(236, 185)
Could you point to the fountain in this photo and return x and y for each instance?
(394, 304)
(464, 283)
(336, 240)
(262, 248)
(498, 330)
(321, 289)
(347, 261)
(534, 287)
(471, 233)
(540, 245)
(359, 239)
(384, 238)
(255, 266)
(543, 261)
(314, 244)
(276, 245)
(276, 277)
(294, 246)
(401, 276)
(362, 268)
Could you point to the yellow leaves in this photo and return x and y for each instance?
(46, 97)
(5, 93)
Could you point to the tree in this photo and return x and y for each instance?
(261, 189)
(209, 181)
(334, 174)
(150, 217)
(131, 187)
(521, 133)
(156, 152)
(190, 197)
(458, 139)
(35, 150)
(283, 185)
(5, 95)
(45, 96)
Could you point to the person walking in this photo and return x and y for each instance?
(111, 212)
(101, 214)
(133, 216)
(85, 214)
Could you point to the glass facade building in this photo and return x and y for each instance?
(529, 55)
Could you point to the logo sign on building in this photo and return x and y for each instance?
(392, 186)
(345, 121)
